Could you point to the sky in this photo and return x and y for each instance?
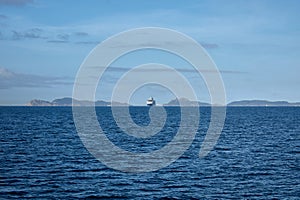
(255, 45)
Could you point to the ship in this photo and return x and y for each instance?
(150, 102)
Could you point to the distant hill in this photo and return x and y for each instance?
(262, 103)
(185, 102)
(67, 101)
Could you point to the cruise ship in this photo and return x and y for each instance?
(150, 102)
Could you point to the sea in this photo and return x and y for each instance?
(257, 156)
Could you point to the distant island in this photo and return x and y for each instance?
(67, 101)
(262, 103)
(246, 103)
(185, 102)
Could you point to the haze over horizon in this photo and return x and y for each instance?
(254, 44)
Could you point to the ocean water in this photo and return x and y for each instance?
(257, 157)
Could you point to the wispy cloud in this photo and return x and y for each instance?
(60, 38)
(64, 37)
(81, 34)
(34, 33)
(15, 2)
(147, 42)
(188, 70)
(50, 36)
(58, 41)
(9, 79)
(88, 42)
(89, 32)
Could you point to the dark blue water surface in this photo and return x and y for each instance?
(257, 157)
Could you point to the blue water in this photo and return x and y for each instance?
(256, 157)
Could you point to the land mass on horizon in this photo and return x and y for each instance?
(67, 101)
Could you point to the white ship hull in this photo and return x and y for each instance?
(150, 102)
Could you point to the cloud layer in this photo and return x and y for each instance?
(9, 79)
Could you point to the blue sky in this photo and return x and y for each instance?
(255, 44)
